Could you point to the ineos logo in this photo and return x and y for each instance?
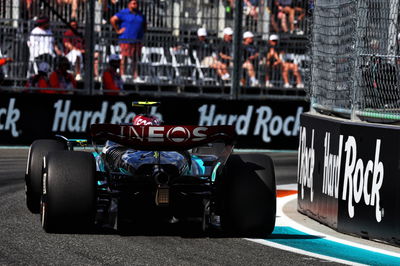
(178, 134)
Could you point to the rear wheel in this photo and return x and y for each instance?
(69, 191)
(33, 177)
(248, 195)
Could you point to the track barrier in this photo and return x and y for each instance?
(348, 176)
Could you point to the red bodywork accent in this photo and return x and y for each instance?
(141, 120)
(162, 137)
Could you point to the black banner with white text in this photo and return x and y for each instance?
(263, 124)
(349, 176)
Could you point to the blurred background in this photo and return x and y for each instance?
(171, 60)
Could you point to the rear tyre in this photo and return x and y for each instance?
(33, 176)
(248, 195)
(68, 202)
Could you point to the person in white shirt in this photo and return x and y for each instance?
(41, 42)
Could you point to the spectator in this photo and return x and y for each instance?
(289, 66)
(28, 8)
(273, 61)
(202, 50)
(251, 8)
(229, 5)
(287, 9)
(74, 6)
(109, 9)
(130, 24)
(250, 54)
(3, 61)
(60, 78)
(225, 56)
(275, 15)
(300, 7)
(74, 47)
(111, 79)
(41, 42)
(41, 79)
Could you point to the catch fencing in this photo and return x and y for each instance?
(172, 27)
(355, 59)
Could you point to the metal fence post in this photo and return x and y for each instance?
(237, 52)
(355, 95)
(392, 29)
(89, 55)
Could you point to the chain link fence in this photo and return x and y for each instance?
(172, 28)
(355, 59)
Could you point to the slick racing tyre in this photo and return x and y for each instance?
(68, 201)
(33, 176)
(248, 194)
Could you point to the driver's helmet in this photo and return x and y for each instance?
(146, 120)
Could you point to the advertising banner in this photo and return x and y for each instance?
(263, 124)
(348, 176)
(318, 169)
(369, 196)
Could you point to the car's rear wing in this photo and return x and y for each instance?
(163, 138)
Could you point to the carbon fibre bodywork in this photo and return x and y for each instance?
(178, 183)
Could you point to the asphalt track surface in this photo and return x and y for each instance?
(24, 242)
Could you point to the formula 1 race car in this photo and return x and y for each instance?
(148, 171)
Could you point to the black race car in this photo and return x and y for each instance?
(147, 171)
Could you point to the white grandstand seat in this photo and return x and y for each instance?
(185, 69)
(206, 75)
(155, 67)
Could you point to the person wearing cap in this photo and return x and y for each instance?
(225, 56)
(112, 82)
(41, 42)
(74, 47)
(250, 55)
(60, 78)
(201, 50)
(273, 61)
(130, 25)
(41, 79)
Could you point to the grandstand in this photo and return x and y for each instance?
(171, 23)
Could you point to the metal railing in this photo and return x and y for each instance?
(172, 24)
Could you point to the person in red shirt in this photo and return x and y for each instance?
(112, 82)
(60, 78)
